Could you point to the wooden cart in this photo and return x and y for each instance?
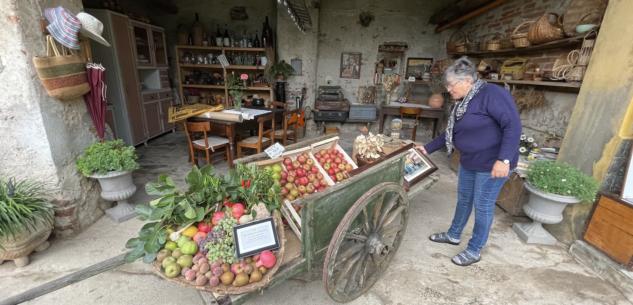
(357, 225)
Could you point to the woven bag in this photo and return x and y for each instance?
(63, 75)
(520, 40)
(544, 31)
(451, 46)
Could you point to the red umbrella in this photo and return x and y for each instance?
(96, 98)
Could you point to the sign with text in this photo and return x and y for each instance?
(223, 61)
(274, 151)
(254, 237)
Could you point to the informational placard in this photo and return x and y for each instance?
(274, 151)
(411, 79)
(223, 61)
(254, 237)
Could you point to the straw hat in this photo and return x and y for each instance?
(91, 27)
(63, 26)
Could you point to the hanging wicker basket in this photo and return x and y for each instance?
(451, 46)
(520, 40)
(544, 31)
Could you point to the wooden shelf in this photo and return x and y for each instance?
(219, 48)
(203, 86)
(535, 83)
(550, 45)
(244, 49)
(238, 67)
(201, 66)
(260, 88)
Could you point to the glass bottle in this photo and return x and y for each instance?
(190, 41)
(218, 37)
(226, 41)
(250, 40)
(244, 40)
(256, 43)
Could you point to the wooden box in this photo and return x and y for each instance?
(513, 196)
(332, 105)
(331, 116)
(610, 228)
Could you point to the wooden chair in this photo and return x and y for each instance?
(206, 143)
(289, 129)
(259, 142)
(279, 104)
(410, 112)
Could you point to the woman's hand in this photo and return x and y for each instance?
(421, 148)
(500, 170)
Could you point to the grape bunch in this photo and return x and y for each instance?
(221, 244)
(202, 242)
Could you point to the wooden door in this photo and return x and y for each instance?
(164, 109)
(129, 77)
(142, 40)
(153, 118)
(110, 120)
(160, 47)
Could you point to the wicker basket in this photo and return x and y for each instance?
(227, 289)
(544, 31)
(506, 43)
(463, 47)
(577, 9)
(473, 46)
(444, 64)
(483, 44)
(520, 40)
(494, 44)
(451, 46)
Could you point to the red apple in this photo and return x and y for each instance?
(340, 156)
(327, 156)
(311, 177)
(335, 151)
(344, 161)
(316, 184)
(322, 152)
(290, 197)
(289, 167)
(306, 154)
(330, 151)
(319, 176)
(337, 160)
(283, 196)
(283, 181)
(328, 161)
(301, 172)
(323, 183)
(307, 167)
(304, 181)
(333, 177)
(302, 189)
(337, 170)
(331, 171)
(326, 166)
(301, 159)
(287, 161)
(349, 167)
(321, 160)
(296, 164)
(321, 189)
(310, 161)
(314, 169)
(339, 177)
(284, 175)
(290, 179)
(310, 189)
(290, 186)
(292, 173)
(284, 191)
(341, 166)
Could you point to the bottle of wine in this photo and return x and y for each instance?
(205, 40)
(225, 38)
(218, 37)
(256, 43)
(250, 40)
(265, 41)
(269, 33)
(244, 40)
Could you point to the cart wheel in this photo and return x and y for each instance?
(366, 241)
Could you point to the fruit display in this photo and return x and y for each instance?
(304, 177)
(334, 163)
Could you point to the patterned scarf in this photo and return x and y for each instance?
(458, 112)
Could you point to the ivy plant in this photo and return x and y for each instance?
(107, 156)
(562, 179)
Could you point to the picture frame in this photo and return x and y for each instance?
(350, 65)
(297, 66)
(416, 66)
(255, 237)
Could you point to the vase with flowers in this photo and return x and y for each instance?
(193, 96)
(237, 85)
(527, 145)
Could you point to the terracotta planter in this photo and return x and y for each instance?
(118, 186)
(436, 101)
(281, 76)
(19, 248)
(543, 208)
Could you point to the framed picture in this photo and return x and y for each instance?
(417, 167)
(296, 66)
(255, 236)
(350, 65)
(418, 65)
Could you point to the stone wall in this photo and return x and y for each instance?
(42, 136)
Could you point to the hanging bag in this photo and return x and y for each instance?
(63, 75)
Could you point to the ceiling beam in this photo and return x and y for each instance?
(164, 5)
(470, 15)
(458, 9)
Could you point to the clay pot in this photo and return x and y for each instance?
(436, 101)
(19, 248)
(281, 76)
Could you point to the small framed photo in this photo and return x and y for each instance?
(417, 167)
(350, 65)
(494, 76)
(416, 66)
(255, 237)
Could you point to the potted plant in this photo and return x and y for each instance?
(193, 96)
(112, 163)
(552, 187)
(369, 148)
(281, 70)
(26, 220)
(236, 89)
(437, 87)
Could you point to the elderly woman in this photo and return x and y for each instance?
(485, 127)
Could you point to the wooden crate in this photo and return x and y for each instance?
(513, 196)
(610, 230)
(331, 130)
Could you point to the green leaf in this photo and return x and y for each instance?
(163, 178)
(159, 213)
(152, 246)
(132, 243)
(155, 201)
(254, 213)
(143, 212)
(150, 257)
(170, 182)
(207, 170)
(200, 213)
(135, 254)
(154, 189)
(194, 178)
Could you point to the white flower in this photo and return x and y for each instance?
(534, 145)
(522, 149)
(545, 186)
(564, 180)
(530, 139)
(523, 137)
(568, 192)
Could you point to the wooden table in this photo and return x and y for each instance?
(231, 129)
(431, 113)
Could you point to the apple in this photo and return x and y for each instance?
(326, 166)
(310, 162)
(283, 181)
(340, 156)
(306, 154)
(292, 173)
(341, 166)
(321, 189)
(330, 150)
(289, 186)
(290, 179)
(337, 170)
(301, 159)
(282, 197)
(294, 193)
(301, 172)
(314, 169)
(319, 176)
(304, 181)
(331, 171)
(290, 197)
(316, 184)
(310, 189)
(349, 167)
(339, 177)
(311, 177)
(284, 175)
(296, 164)
(285, 191)
(326, 156)
(328, 160)
(322, 152)
(302, 189)
(335, 151)
(307, 167)
(333, 177)
(323, 183)
(337, 160)
(287, 161)
(344, 161)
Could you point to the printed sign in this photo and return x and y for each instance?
(223, 61)
(275, 151)
(254, 237)
(181, 113)
(411, 79)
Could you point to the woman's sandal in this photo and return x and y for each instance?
(442, 238)
(465, 259)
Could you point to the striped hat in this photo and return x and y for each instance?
(63, 26)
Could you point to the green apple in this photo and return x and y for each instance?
(168, 260)
(172, 270)
(185, 261)
(182, 240)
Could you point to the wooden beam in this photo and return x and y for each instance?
(458, 9)
(164, 5)
(470, 15)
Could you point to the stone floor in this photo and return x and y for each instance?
(511, 272)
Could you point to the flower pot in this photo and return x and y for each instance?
(436, 101)
(542, 208)
(25, 242)
(281, 76)
(118, 186)
(237, 100)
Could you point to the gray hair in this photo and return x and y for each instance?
(461, 70)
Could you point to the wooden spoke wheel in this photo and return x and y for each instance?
(366, 241)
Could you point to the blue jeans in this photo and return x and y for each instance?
(480, 190)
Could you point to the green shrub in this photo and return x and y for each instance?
(281, 67)
(108, 156)
(21, 206)
(562, 179)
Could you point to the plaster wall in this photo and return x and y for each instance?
(42, 136)
(601, 117)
